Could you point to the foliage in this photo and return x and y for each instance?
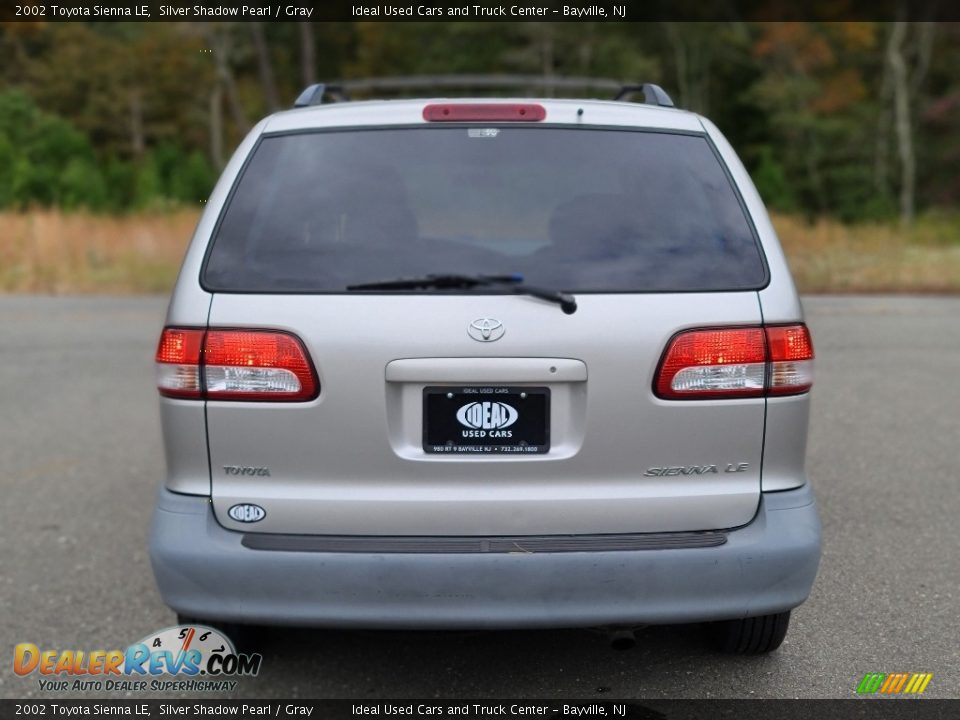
(48, 162)
(118, 116)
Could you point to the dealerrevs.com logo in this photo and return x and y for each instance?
(181, 658)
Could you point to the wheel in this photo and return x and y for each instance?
(242, 636)
(750, 636)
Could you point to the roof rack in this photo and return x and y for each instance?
(339, 91)
(652, 94)
(315, 94)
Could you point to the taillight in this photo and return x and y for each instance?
(178, 363)
(736, 363)
(791, 359)
(484, 112)
(234, 365)
(256, 365)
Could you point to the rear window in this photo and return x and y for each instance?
(581, 210)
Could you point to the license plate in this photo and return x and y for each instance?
(486, 420)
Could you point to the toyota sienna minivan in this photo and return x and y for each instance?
(513, 363)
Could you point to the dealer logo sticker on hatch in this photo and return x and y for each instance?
(487, 415)
(247, 513)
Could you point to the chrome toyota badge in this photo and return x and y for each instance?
(486, 329)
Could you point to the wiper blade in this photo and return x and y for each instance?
(566, 302)
(439, 281)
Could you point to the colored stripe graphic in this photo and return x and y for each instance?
(894, 683)
(871, 683)
(918, 683)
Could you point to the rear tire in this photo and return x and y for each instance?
(750, 636)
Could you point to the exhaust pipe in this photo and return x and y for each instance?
(622, 639)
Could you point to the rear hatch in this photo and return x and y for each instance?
(461, 410)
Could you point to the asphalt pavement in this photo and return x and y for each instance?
(80, 458)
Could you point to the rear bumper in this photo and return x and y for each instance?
(204, 571)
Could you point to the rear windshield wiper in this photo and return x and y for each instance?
(515, 282)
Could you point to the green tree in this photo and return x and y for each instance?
(50, 162)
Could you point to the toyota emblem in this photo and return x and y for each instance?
(486, 329)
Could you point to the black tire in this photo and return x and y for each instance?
(750, 636)
(244, 637)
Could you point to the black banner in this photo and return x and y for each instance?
(474, 10)
(885, 709)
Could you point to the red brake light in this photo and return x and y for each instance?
(257, 365)
(234, 365)
(736, 362)
(713, 363)
(789, 342)
(791, 359)
(178, 362)
(180, 346)
(483, 112)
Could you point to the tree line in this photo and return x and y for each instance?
(854, 120)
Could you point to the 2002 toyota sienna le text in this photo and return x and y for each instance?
(486, 364)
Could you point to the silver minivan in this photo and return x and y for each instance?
(486, 364)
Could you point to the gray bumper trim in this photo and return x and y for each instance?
(521, 544)
(204, 570)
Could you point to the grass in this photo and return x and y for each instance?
(829, 257)
(48, 251)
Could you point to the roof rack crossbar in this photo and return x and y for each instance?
(321, 92)
(480, 81)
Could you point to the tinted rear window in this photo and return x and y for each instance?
(572, 209)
